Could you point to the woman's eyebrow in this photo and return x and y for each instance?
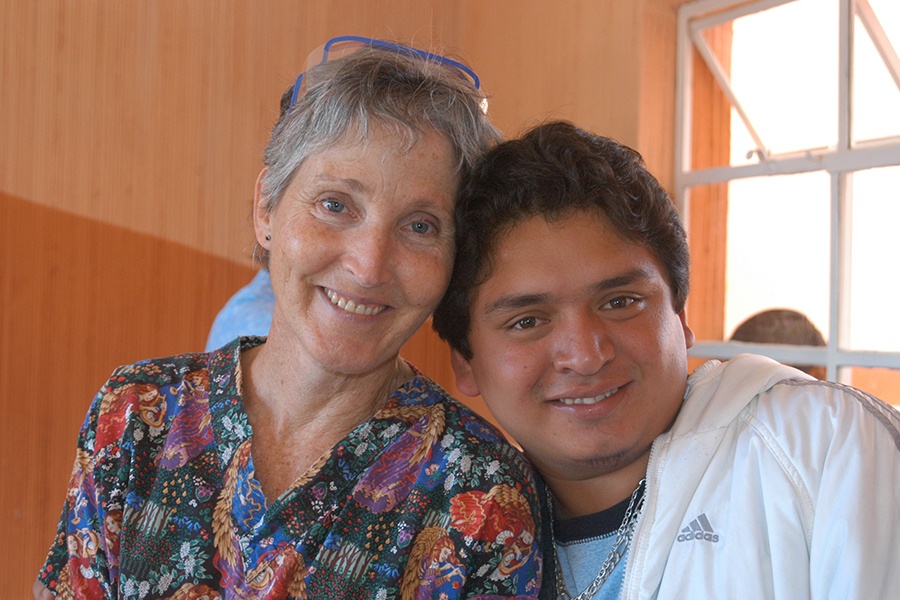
(328, 179)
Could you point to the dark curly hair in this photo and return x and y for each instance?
(554, 170)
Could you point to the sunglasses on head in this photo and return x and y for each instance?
(348, 44)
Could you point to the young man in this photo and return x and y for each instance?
(748, 479)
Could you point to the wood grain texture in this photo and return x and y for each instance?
(708, 208)
(131, 135)
(118, 111)
(79, 298)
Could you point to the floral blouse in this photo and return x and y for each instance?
(425, 500)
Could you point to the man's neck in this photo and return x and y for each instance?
(576, 498)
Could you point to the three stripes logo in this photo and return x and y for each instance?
(700, 529)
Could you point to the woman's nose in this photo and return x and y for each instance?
(369, 256)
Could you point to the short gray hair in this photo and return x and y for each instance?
(346, 97)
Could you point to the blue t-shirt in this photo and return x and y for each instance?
(582, 545)
(248, 312)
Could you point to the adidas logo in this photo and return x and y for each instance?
(700, 529)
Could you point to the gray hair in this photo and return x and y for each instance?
(346, 97)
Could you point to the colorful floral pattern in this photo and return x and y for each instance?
(425, 500)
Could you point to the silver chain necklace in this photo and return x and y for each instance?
(623, 539)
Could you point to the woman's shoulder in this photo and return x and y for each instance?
(160, 370)
(457, 415)
(195, 367)
(468, 434)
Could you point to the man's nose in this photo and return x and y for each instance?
(583, 345)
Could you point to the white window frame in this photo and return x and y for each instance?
(839, 163)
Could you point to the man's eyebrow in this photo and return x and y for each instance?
(517, 301)
(626, 278)
(514, 302)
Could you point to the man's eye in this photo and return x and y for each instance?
(622, 302)
(526, 323)
(334, 206)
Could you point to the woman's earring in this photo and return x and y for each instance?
(268, 238)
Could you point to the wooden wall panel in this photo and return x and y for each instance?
(576, 60)
(79, 298)
(656, 90)
(708, 208)
(111, 110)
(122, 109)
(130, 138)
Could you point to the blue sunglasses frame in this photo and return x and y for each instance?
(389, 46)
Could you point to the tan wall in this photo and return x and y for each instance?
(130, 138)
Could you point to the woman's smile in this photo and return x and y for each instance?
(350, 306)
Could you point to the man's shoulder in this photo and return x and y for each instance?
(718, 391)
(751, 391)
(834, 406)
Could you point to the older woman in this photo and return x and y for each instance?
(316, 463)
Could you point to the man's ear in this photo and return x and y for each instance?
(465, 381)
(688, 332)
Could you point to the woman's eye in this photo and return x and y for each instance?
(334, 205)
(421, 227)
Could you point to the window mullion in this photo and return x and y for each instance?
(882, 44)
(840, 278)
(841, 208)
(725, 84)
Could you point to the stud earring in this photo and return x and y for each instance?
(268, 238)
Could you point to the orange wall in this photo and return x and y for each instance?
(79, 297)
(124, 111)
(130, 138)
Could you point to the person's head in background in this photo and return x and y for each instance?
(782, 326)
(569, 289)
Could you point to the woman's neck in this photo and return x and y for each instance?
(294, 396)
(298, 414)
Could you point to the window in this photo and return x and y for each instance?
(788, 178)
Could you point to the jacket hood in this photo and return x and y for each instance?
(734, 383)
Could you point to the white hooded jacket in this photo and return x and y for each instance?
(770, 484)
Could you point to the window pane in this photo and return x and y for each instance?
(778, 247)
(881, 383)
(876, 97)
(784, 73)
(875, 248)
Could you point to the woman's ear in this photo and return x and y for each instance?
(262, 216)
(465, 381)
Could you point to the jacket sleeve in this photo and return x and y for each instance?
(853, 549)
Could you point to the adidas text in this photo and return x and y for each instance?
(699, 536)
(700, 529)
